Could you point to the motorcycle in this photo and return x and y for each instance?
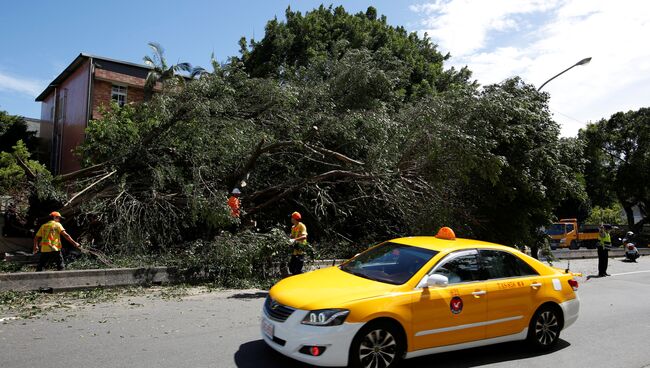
(631, 253)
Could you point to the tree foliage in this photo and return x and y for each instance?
(161, 71)
(618, 161)
(357, 167)
(13, 129)
(26, 181)
(609, 215)
(328, 33)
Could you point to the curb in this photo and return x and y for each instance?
(87, 279)
(592, 253)
(83, 279)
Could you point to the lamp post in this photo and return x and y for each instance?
(581, 62)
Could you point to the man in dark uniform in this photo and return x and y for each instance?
(604, 245)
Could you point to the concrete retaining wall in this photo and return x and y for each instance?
(70, 280)
(84, 279)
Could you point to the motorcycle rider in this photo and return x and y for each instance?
(631, 253)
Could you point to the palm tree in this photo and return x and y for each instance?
(198, 72)
(161, 72)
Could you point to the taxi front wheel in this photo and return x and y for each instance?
(544, 329)
(377, 345)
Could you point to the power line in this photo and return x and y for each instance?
(567, 116)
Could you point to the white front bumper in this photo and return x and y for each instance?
(571, 309)
(336, 339)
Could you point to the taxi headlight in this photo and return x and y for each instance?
(325, 317)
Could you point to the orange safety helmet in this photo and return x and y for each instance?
(56, 214)
(296, 216)
(446, 233)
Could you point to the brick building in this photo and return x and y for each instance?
(74, 98)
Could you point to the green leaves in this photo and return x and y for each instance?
(13, 129)
(327, 34)
(163, 73)
(492, 159)
(617, 151)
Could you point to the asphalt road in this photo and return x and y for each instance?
(221, 329)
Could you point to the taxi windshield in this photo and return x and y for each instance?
(390, 263)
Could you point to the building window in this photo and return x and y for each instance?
(118, 94)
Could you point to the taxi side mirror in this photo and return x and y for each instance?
(435, 280)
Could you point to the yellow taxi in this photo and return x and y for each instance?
(415, 296)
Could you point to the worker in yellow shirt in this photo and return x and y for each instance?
(299, 241)
(48, 241)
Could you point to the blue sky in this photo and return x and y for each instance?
(40, 38)
(534, 39)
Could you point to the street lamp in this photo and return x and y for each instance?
(581, 62)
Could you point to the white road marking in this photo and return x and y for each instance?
(8, 319)
(629, 273)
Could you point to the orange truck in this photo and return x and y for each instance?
(569, 234)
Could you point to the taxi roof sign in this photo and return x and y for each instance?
(446, 233)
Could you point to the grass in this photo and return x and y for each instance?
(14, 267)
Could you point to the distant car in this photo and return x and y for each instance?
(415, 296)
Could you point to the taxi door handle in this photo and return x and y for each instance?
(536, 285)
(479, 293)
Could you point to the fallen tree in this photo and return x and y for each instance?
(367, 141)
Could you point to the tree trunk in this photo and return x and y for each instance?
(629, 213)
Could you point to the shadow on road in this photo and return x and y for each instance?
(482, 356)
(257, 295)
(257, 354)
(589, 277)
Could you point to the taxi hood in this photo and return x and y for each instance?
(326, 288)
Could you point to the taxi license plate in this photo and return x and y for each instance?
(267, 328)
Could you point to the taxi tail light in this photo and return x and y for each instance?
(574, 284)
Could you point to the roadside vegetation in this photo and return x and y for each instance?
(34, 304)
(353, 122)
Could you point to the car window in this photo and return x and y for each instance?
(555, 229)
(391, 263)
(499, 264)
(524, 268)
(460, 267)
(569, 228)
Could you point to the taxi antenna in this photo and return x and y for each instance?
(568, 264)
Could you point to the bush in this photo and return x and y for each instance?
(234, 261)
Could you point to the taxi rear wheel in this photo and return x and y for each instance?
(377, 345)
(544, 329)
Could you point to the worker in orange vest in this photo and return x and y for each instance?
(48, 241)
(234, 203)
